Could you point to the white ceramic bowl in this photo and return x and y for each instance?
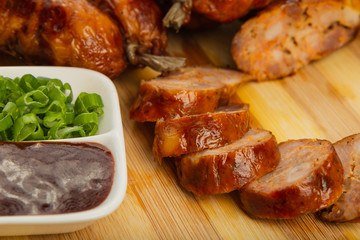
(110, 134)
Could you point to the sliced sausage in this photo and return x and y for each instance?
(308, 178)
(348, 206)
(287, 35)
(195, 133)
(228, 168)
(185, 92)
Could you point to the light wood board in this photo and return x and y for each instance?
(320, 101)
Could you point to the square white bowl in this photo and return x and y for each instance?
(110, 134)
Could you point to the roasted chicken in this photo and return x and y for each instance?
(61, 32)
(103, 35)
(141, 25)
(217, 10)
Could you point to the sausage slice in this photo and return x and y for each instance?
(308, 178)
(287, 35)
(195, 133)
(228, 168)
(348, 206)
(185, 92)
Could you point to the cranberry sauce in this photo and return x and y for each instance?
(53, 177)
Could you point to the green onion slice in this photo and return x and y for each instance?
(39, 108)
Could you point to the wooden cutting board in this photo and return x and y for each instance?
(321, 101)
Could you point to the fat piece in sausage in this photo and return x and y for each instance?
(308, 178)
(229, 168)
(195, 133)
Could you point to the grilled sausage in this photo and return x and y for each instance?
(187, 91)
(308, 178)
(348, 206)
(195, 133)
(61, 33)
(287, 35)
(228, 168)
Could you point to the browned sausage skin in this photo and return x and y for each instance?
(61, 32)
(228, 168)
(308, 178)
(348, 205)
(287, 35)
(195, 133)
(187, 91)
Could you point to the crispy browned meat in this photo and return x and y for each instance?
(61, 32)
(225, 10)
(229, 168)
(308, 178)
(287, 35)
(348, 206)
(220, 11)
(195, 133)
(187, 91)
(141, 24)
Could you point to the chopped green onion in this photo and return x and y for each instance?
(89, 102)
(40, 108)
(24, 126)
(5, 122)
(89, 122)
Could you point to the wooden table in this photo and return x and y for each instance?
(320, 101)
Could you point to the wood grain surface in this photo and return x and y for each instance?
(320, 101)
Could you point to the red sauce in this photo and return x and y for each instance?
(53, 177)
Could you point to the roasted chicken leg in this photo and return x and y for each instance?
(61, 32)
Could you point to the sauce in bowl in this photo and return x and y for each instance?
(53, 177)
